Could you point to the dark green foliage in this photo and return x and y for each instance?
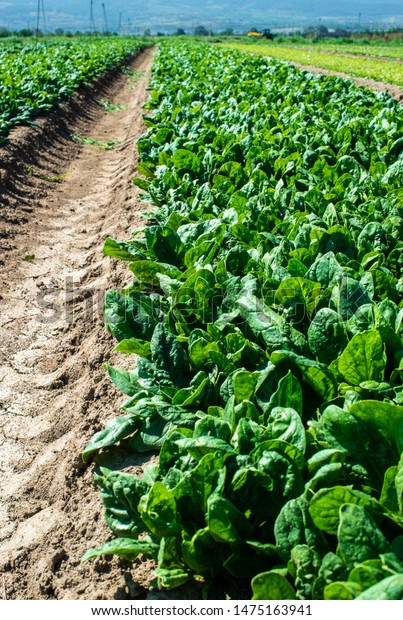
(37, 76)
(270, 341)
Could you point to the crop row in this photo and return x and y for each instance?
(266, 316)
(374, 48)
(35, 77)
(389, 72)
(383, 51)
(386, 51)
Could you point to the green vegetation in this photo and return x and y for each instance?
(381, 51)
(266, 312)
(34, 78)
(391, 49)
(104, 145)
(112, 107)
(389, 72)
(31, 171)
(133, 75)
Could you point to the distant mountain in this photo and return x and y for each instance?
(137, 15)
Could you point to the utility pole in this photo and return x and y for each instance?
(120, 24)
(37, 20)
(105, 22)
(92, 23)
(43, 17)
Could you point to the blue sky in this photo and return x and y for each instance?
(160, 14)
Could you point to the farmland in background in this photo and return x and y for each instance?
(378, 48)
(345, 45)
(349, 59)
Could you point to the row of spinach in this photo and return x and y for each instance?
(35, 77)
(266, 314)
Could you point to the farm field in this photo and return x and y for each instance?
(35, 77)
(377, 48)
(60, 198)
(251, 289)
(388, 71)
(387, 52)
(265, 315)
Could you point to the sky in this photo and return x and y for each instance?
(166, 15)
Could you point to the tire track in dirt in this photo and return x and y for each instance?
(53, 391)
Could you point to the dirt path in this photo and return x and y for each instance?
(53, 391)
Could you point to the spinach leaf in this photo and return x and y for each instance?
(358, 535)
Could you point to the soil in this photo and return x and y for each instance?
(60, 199)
